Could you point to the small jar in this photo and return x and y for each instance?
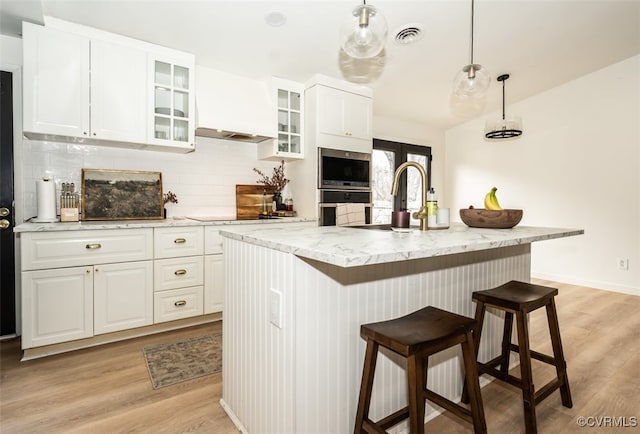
(289, 204)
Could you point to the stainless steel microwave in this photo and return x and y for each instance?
(343, 170)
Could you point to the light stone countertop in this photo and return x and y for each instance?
(164, 223)
(352, 247)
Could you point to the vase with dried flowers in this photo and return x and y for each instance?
(169, 197)
(276, 182)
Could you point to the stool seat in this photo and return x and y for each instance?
(519, 299)
(416, 336)
(517, 295)
(414, 332)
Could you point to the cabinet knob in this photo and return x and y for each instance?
(4, 224)
(180, 303)
(179, 241)
(93, 246)
(180, 272)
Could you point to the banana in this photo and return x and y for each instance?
(491, 201)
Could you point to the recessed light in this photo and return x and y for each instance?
(275, 19)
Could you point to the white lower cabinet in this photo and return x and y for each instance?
(213, 283)
(177, 304)
(178, 273)
(57, 305)
(85, 283)
(123, 296)
(213, 270)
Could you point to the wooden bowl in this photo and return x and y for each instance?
(486, 218)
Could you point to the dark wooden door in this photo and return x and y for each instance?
(7, 251)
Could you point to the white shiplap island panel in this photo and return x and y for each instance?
(304, 377)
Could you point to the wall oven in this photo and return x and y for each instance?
(343, 170)
(329, 200)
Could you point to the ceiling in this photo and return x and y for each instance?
(541, 43)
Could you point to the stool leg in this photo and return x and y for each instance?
(417, 379)
(528, 391)
(476, 341)
(472, 383)
(558, 354)
(368, 371)
(506, 341)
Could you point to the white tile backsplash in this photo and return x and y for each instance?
(204, 180)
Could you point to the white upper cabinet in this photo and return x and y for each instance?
(338, 115)
(289, 118)
(118, 93)
(56, 82)
(88, 86)
(344, 114)
(172, 101)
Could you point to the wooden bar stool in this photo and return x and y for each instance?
(417, 336)
(520, 298)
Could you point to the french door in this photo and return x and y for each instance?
(386, 158)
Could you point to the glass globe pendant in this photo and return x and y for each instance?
(364, 35)
(474, 79)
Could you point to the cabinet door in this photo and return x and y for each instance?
(118, 92)
(172, 101)
(56, 82)
(358, 111)
(123, 296)
(289, 116)
(57, 306)
(213, 283)
(344, 113)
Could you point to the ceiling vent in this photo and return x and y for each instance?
(408, 34)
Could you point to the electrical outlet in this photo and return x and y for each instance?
(275, 308)
(623, 263)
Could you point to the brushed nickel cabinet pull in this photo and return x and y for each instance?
(180, 303)
(93, 246)
(180, 272)
(179, 241)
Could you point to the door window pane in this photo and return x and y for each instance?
(384, 163)
(414, 185)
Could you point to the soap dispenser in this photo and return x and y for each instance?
(432, 208)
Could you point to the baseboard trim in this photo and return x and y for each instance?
(595, 284)
(63, 347)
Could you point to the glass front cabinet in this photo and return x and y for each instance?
(288, 97)
(173, 102)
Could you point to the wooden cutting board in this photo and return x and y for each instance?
(249, 200)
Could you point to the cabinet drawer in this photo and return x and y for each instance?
(212, 240)
(175, 273)
(77, 248)
(177, 304)
(182, 241)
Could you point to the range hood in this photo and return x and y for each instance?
(232, 107)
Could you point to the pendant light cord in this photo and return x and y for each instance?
(503, 99)
(471, 45)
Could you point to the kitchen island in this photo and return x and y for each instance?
(295, 299)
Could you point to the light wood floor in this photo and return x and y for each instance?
(107, 389)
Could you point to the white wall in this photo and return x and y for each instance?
(577, 165)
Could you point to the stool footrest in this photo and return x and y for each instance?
(370, 427)
(484, 369)
(449, 405)
(394, 418)
(547, 390)
(535, 355)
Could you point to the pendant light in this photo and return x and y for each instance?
(474, 79)
(364, 34)
(508, 126)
